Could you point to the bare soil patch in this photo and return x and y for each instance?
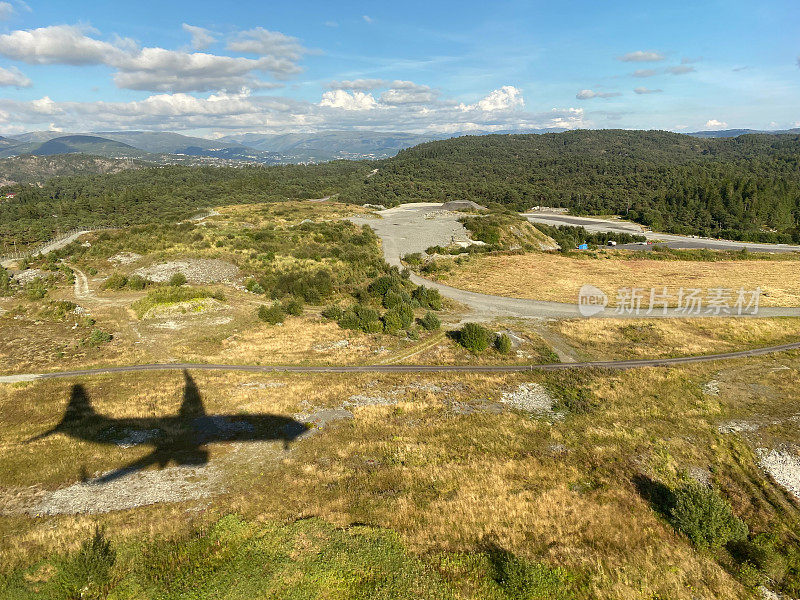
(196, 270)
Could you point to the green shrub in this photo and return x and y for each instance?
(5, 282)
(384, 284)
(271, 314)
(332, 313)
(137, 282)
(393, 298)
(252, 286)
(502, 343)
(36, 289)
(474, 337)
(392, 322)
(430, 322)
(705, 517)
(428, 298)
(91, 271)
(521, 579)
(177, 280)
(86, 573)
(415, 258)
(115, 281)
(98, 337)
(362, 318)
(294, 307)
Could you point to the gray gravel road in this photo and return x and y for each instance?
(414, 227)
(594, 225)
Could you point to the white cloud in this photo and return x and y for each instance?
(57, 44)
(645, 73)
(201, 38)
(507, 97)
(714, 124)
(408, 96)
(642, 56)
(331, 24)
(283, 49)
(348, 101)
(367, 18)
(159, 69)
(680, 69)
(589, 94)
(13, 77)
(644, 90)
(359, 84)
(6, 11)
(45, 106)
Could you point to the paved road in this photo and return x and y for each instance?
(594, 225)
(616, 364)
(414, 227)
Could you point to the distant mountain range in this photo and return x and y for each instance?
(167, 147)
(728, 133)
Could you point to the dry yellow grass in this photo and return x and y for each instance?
(654, 338)
(557, 278)
(555, 491)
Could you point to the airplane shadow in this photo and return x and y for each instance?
(180, 439)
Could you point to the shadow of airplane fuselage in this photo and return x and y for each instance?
(180, 439)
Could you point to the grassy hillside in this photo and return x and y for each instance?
(745, 188)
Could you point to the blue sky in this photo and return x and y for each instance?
(435, 67)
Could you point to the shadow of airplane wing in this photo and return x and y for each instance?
(194, 457)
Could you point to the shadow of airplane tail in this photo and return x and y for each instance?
(79, 409)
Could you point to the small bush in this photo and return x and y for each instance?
(383, 285)
(271, 314)
(5, 282)
(392, 321)
(98, 337)
(294, 307)
(252, 286)
(115, 281)
(705, 517)
(502, 343)
(428, 298)
(393, 299)
(87, 573)
(415, 258)
(430, 322)
(137, 282)
(177, 280)
(474, 337)
(524, 580)
(362, 318)
(36, 289)
(332, 313)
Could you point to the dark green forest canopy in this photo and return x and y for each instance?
(159, 195)
(745, 188)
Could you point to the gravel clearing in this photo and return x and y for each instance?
(125, 258)
(196, 270)
(28, 275)
(783, 467)
(138, 488)
(530, 397)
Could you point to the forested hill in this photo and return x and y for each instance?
(745, 188)
(159, 195)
